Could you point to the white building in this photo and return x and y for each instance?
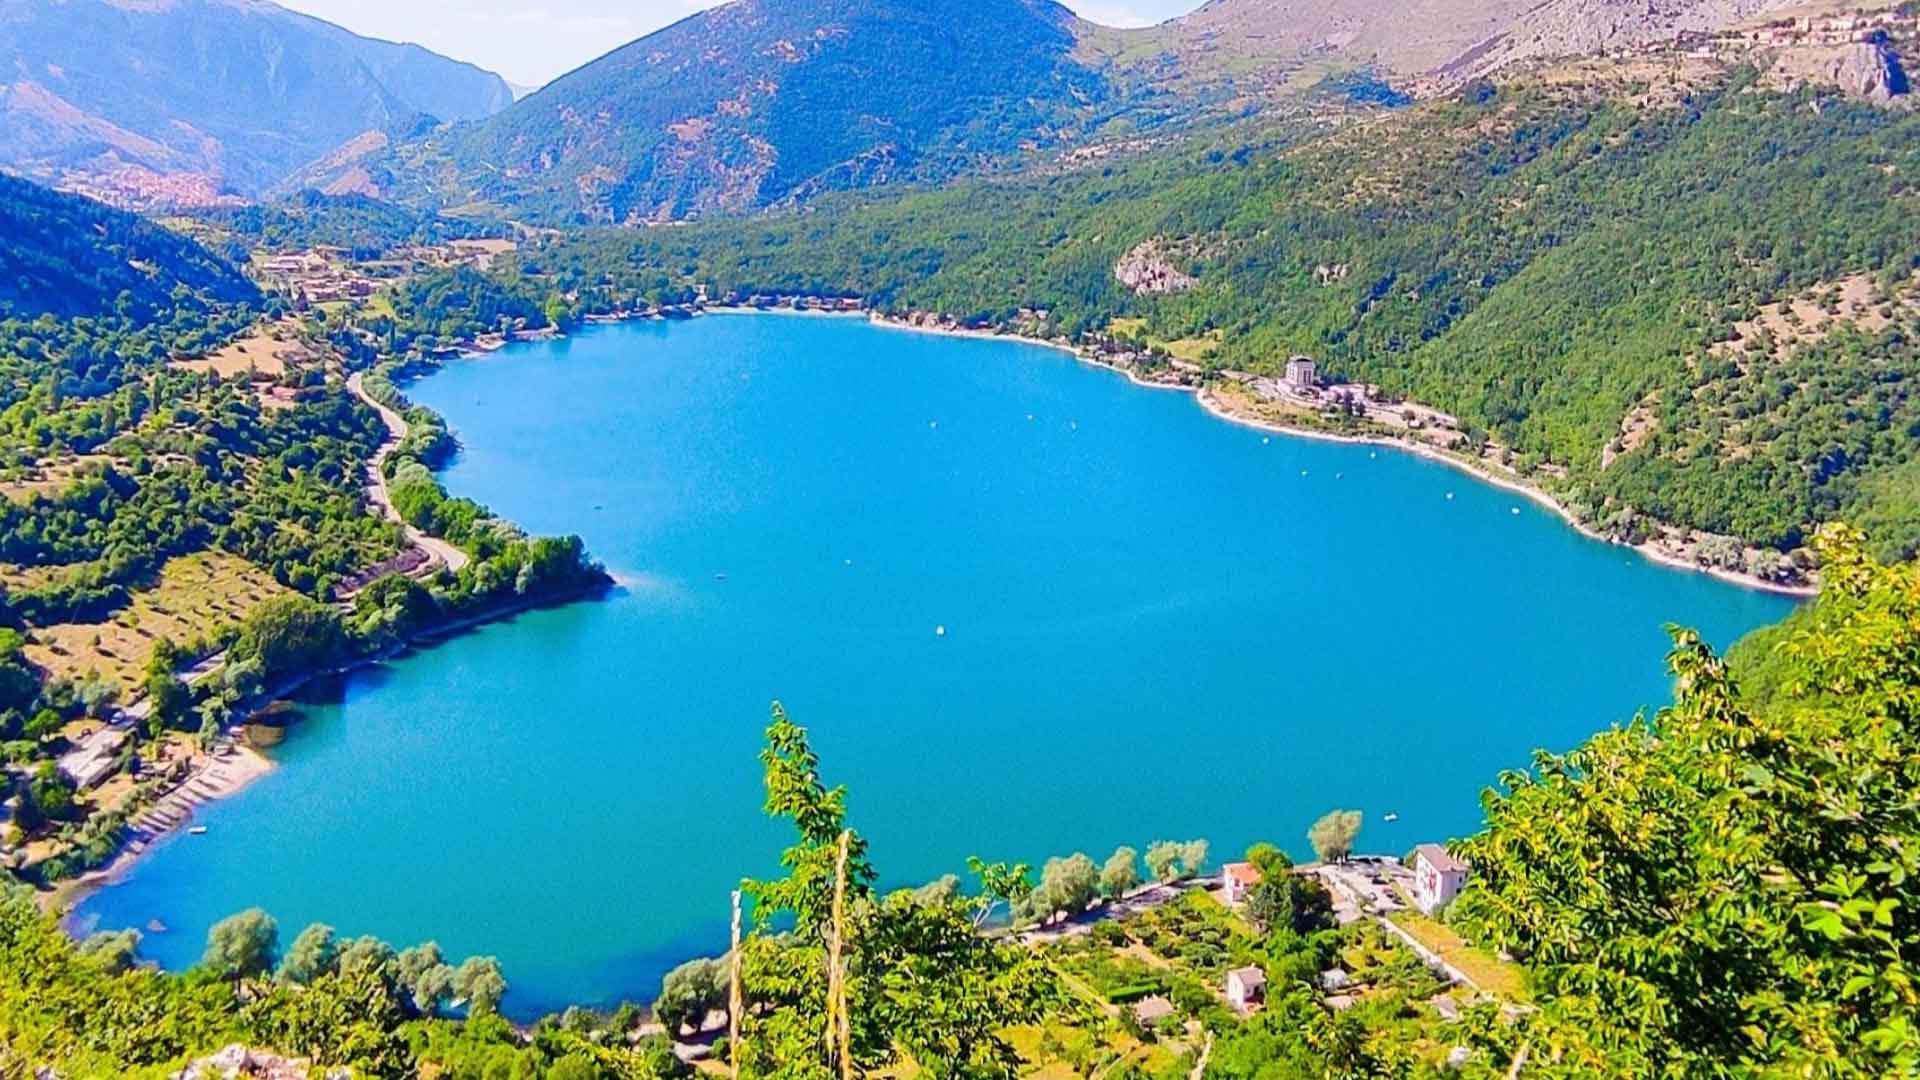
(1437, 877)
(1302, 374)
(1246, 988)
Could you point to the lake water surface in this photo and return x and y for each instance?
(1158, 625)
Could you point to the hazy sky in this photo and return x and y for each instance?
(532, 42)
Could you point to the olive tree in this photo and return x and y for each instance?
(242, 946)
(1332, 836)
(314, 953)
(1121, 872)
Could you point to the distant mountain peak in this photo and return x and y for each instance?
(227, 94)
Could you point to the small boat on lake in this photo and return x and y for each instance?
(1390, 818)
(197, 830)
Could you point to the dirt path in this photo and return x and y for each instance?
(446, 554)
(1206, 1052)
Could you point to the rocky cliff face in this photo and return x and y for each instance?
(1149, 270)
(1870, 71)
(1563, 28)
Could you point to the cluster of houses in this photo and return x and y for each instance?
(319, 276)
(1435, 876)
(1858, 28)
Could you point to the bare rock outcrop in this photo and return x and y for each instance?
(1866, 70)
(1148, 270)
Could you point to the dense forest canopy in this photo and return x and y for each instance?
(66, 256)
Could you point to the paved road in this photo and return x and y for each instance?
(446, 554)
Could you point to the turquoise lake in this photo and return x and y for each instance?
(1158, 625)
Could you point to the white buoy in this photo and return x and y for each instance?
(939, 631)
(1029, 418)
(1264, 442)
(1516, 510)
(1449, 496)
(931, 424)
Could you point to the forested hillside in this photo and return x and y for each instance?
(66, 256)
(1703, 310)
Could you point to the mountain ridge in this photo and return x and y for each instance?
(765, 103)
(160, 102)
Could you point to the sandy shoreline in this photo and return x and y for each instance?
(220, 774)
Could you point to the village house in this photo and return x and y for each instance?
(1302, 374)
(1151, 1010)
(1246, 989)
(94, 760)
(1236, 881)
(1437, 877)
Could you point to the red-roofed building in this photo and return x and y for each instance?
(1236, 881)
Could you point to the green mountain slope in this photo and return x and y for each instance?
(179, 101)
(64, 255)
(761, 101)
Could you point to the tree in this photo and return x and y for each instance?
(44, 724)
(50, 792)
(1163, 861)
(480, 982)
(394, 605)
(1731, 888)
(921, 983)
(424, 973)
(1289, 901)
(1067, 886)
(241, 946)
(689, 992)
(1120, 874)
(942, 890)
(111, 951)
(1171, 860)
(1332, 836)
(315, 952)
(290, 635)
(368, 955)
(1269, 860)
(1193, 856)
(558, 312)
(1270, 905)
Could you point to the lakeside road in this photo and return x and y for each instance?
(448, 555)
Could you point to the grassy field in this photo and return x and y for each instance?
(1491, 973)
(195, 596)
(48, 477)
(257, 354)
(1194, 349)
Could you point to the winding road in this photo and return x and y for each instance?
(444, 553)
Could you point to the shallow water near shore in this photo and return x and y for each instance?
(1157, 625)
